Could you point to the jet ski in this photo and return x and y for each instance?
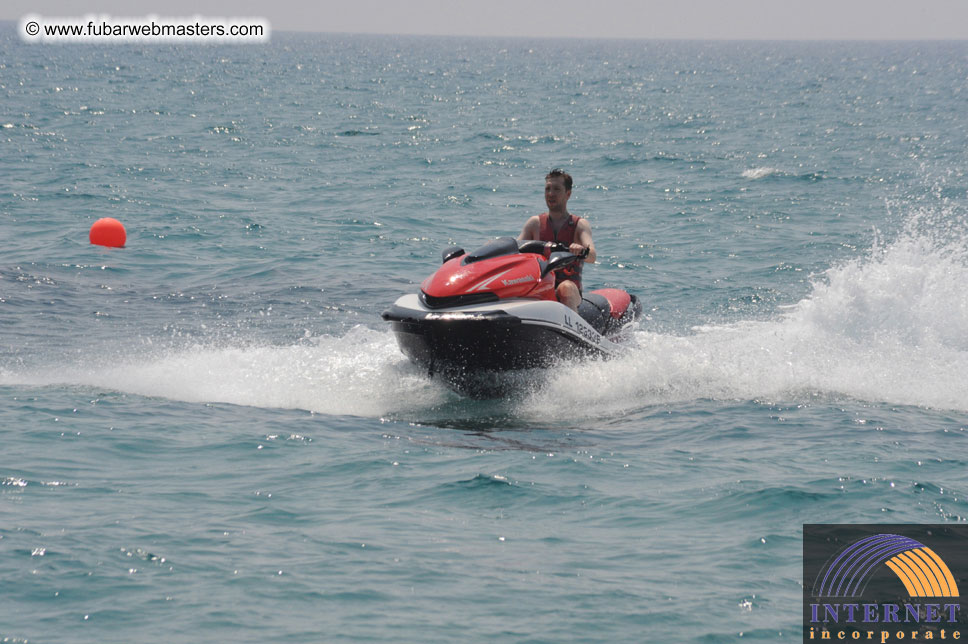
(493, 312)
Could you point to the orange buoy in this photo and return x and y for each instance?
(108, 232)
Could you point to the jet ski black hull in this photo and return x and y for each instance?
(490, 342)
(474, 352)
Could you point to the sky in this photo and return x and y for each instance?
(647, 19)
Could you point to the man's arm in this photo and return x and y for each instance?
(583, 237)
(532, 228)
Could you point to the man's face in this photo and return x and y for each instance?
(555, 194)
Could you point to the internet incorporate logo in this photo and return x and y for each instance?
(884, 583)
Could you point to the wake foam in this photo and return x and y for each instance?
(890, 327)
(361, 373)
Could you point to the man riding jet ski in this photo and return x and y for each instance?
(513, 304)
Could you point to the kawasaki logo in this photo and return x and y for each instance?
(520, 280)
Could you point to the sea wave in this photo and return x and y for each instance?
(760, 173)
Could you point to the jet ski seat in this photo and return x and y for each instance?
(596, 310)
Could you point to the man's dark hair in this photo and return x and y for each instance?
(558, 172)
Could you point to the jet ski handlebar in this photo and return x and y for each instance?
(546, 248)
(506, 245)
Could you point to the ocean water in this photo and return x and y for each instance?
(210, 435)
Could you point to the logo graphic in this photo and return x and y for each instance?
(884, 583)
(919, 568)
